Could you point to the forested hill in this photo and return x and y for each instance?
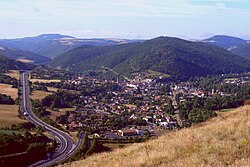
(236, 45)
(179, 58)
(11, 64)
(242, 50)
(23, 54)
(226, 42)
(53, 45)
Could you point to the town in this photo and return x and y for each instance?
(131, 109)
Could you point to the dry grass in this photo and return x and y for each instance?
(129, 105)
(114, 146)
(247, 102)
(222, 141)
(51, 89)
(66, 109)
(49, 135)
(9, 115)
(74, 136)
(53, 114)
(8, 90)
(13, 74)
(45, 80)
(25, 60)
(39, 95)
(152, 73)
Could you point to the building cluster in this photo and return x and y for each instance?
(134, 109)
(185, 90)
(238, 80)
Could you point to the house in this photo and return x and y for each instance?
(164, 124)
(96, 135)
(199, 94)
(133, 116)
(132, 86)
(111, 135)
(148, 119)
(172, 125)
(128, 132)
(73, 125)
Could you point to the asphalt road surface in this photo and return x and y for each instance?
(66, 145)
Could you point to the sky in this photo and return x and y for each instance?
(131, 19)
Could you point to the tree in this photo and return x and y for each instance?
(169, 109)
(199, 115)
(93, 147)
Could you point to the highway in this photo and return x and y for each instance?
(66, 145)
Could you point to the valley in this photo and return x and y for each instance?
(125, 83)
(106, 100)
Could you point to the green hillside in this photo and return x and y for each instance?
(243, 51)
(11, 64)
(23, 54)
(176, 57)
(53, 45)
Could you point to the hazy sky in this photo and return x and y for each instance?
(125, 18)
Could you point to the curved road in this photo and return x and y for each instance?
(66, 144)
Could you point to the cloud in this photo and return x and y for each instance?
(36, 9)
(121, 8)
(114, 18)
(221, 5)
(244, 35)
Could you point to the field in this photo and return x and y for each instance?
(10, 132)
(67, 109)
(38, 94)
(13, 74)
(8, 90)
(152, 73)
(51, 89)
(61, 111)
(221, 141)
(74, 136)
(129, 105)
(45, 80)
(53, 114)
(9, 115)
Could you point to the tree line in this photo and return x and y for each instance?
(4, 99)
(9, 80)
(200, 109)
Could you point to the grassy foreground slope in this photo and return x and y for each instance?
(222, 141)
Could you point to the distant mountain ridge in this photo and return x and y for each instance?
(53, 45)
(178, 58)
(238, 46)
(224, 41)
(23, 54)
